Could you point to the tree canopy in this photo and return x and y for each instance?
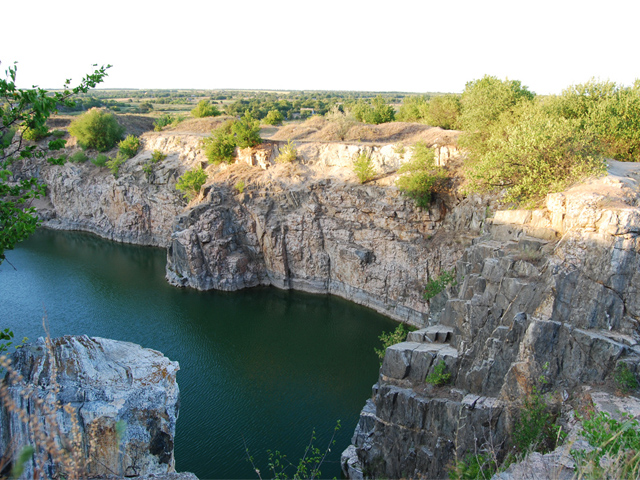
(25, 111)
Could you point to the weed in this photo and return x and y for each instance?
(438, 284)
(363, 167)
(625, 379)
(147, 168)
(535, 430)
(474, 467)
(157, 156)
(616, 452)
(439, 376)
(100, 160)
(191, 182)
(399, 149)
(288, 153)
(114, 164)
(78, 157)
(61, 160)
(239, 186)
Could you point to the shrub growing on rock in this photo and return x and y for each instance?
(363, 167)
(420, 178)
(247, 132)
(191, 182)
(221, 146)
(129, 146)
(96, 129)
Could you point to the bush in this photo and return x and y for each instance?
(625, 379)
(191, 182)
(484, 101)
(391, 338)
(420, 178)
(114, 164)
(413, 108)
(288, 153)
(100, 160)
(438, 284)
(443, 111)
(61, 160)
(129, 146)
(96, 129)
(35, 134)
(165, 120)
(535, 429)
(532, 154)
(239, 186)
(274, 117)
(157, 156)
(610, 112)
(375, 112)
(363, 167)
(205, 109)
(247, 132)
(221, 146)
(78, 157)
(439, 376)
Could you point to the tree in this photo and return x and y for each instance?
(274, 117)
(27, 110)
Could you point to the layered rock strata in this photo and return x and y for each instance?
(90, 407)
(546, 299)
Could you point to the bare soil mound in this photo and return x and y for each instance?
(198, 125)
(318, 129)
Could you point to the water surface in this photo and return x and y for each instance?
(261, 367)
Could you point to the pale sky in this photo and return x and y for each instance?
(395, 45)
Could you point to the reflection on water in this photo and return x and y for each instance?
(261, 366)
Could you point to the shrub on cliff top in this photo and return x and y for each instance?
(247, 131)
(205, 109)
(221, 146)
(420, 178)
(96, 129)
(129, 146)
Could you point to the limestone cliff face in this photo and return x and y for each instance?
(136, 207)
(552, 293)
(368, 244)
(114, 404)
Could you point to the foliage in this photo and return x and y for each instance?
(165, 120)
(191, 182)
(363, 167)
(391, 338)
(288, 153)
(6, 337)
(35, 134)
(96, 129)
(535, 429)
(78, 157)
(221, 146)
(61, 160)
(616, 452)
(129, 146)
(377, 111)
(27, 109)
(205, 109)
(274, 117)
(157, 156)
(443, 111)
(341, 122)
(100, 160)
(147, 168)
(239, 186)
(308, 466)
(114, 164)
(532, 154)
(478, 466)
(420, 178)
(436, 285)
(485, 100)
(609, 112)
(247, 132)
(625, 379)
(439, 376)
(438, 111)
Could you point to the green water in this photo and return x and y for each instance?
(261, 367)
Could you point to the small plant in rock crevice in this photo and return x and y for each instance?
(363, 167)
(439, 376)
(624, 378)
(391, 338)
(438, 284)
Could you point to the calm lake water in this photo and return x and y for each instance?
(261, 367)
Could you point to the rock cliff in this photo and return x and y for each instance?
(90, 407)
(547, 294)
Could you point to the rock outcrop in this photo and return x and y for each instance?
(546, 299)
(90, 407)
